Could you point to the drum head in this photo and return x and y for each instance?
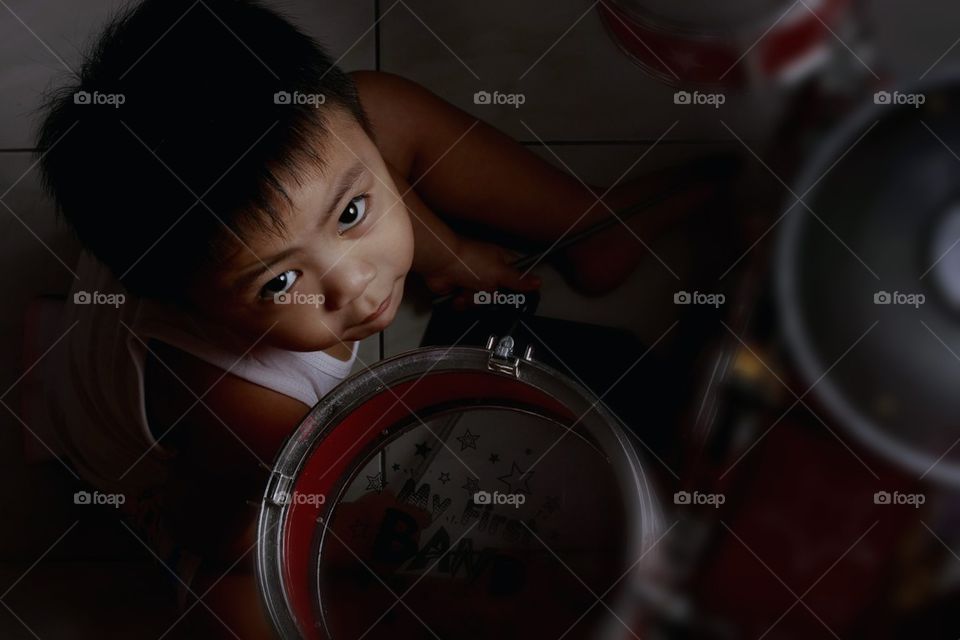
(434, 495)
(870, 296)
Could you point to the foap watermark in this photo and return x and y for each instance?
(514, 100)
(896, 498)
(110, 499)
(97, 98)
(496, 498)
(299, 497)
(697, 498)
(697, 98)
(315, 300)
(898, 98)
(314, 100)
(96, 297)
(498, 297)
(899, 297)
(697, 297)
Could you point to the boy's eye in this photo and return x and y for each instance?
(280, 284)
(353, 214)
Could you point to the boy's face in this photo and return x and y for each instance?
(338, 275)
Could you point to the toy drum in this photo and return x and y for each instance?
(457, 493)
(732, 44)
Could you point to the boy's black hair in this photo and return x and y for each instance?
(220, 100)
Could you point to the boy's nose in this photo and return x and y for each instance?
(344, 283)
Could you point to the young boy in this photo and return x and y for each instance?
(259, 211)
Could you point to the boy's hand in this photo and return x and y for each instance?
(448, 261)
(479, 266)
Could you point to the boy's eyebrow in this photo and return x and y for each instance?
(349, 178)
(245, 280)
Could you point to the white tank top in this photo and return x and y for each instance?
(96, 391)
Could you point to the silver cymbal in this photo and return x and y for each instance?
(868, 277)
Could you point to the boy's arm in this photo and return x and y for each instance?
(466, 169)
(447, 260)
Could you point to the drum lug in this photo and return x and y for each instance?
(278, 489)
(501, 356)
(528, 353)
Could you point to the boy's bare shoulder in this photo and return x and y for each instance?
(380, 86)
(260, 417)
(393, 100)
(388, 102)
(405, 116)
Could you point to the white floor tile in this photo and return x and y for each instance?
(411, 321)
(577, 83)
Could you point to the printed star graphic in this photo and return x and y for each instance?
(375, 483)
(472, 486)
(444, 477)
(423, 449)
(494, 457)
(396, 467)
(468, 440)
(517, 481)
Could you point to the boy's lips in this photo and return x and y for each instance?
(379, 311)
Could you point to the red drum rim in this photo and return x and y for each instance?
(725, 56)
(355, 416)
(757, 24)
